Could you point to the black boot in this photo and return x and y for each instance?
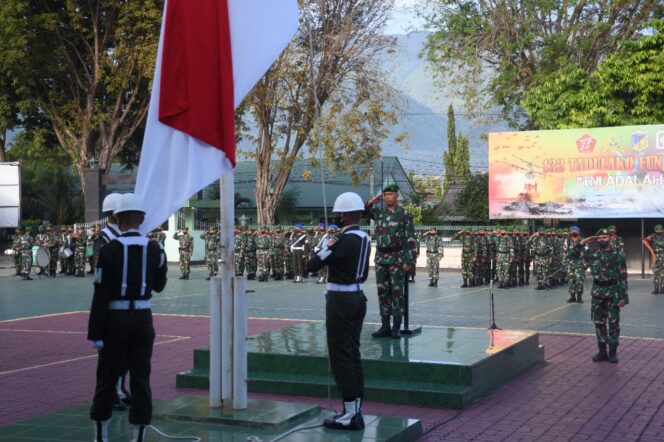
(601, 356)
(350, 419)
(571, 299)
(435, 283)
(430, 283)
(251, 276)
(208, 278)
(27, 277)
(521, 282)
(657, 291)
(465, 283)
(384, 330)
(579, 300)
(539, 286)
(183, 276)
(613, 355)
(396, 328)
(471, 282)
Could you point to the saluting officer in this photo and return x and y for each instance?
(347, 258)
(120, 324)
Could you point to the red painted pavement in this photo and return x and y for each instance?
(47, 364)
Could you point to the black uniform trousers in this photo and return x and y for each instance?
(128, 341)
(344, 315)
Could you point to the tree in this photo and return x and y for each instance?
(326, 90)
(473, 200)
(12, 41)
(86, 67)
(450, 154)
(48, 190)
(495, 50)
(456, 158)
(626, 89)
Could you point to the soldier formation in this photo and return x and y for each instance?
(279, 252)
(73, 249)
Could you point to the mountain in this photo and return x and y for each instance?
(424, 116)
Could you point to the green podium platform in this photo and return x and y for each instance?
(443, 367)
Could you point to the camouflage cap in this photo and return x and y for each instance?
(659, 227)
(611, 227)
(28, 229)
(602, 231)
(391, 188)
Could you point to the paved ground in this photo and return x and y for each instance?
(47, 364)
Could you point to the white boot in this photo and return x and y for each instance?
(138, 433)
(101, 430)
(350, 419)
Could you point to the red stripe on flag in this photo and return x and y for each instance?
(196, 95)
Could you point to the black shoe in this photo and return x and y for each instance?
(613, 355)
(251, 276)
(579, 300)
(435, 283)
(27, 278)
(655, 292)
(350, 419)
(539, 287)
(118, 405)
(601, 356)
(183, 277)
(571, 299)
(384, 330)
(396, 328)
(430, 283)
(465, 283)
(208, 278)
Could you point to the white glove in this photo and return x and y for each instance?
(97, 345)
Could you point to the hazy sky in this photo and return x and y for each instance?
(404, 18)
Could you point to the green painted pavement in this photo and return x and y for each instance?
(73, 424)
(520, 308)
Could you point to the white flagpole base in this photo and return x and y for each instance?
(240, 343)
(226, 337)
(215, 342)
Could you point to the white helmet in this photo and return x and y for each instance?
(128, 202)
(348, 202)
(109, 202)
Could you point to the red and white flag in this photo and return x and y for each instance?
(211, 53)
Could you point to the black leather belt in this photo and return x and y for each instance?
(608, 283)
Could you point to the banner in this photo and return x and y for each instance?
(609, 172)
(10, 194)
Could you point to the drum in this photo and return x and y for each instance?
(34, 255)
(43, 257)
(67, 253)
(88, 251)
(10, 252)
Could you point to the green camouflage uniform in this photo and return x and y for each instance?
(541, 250)
(467, 246)
(413, 269)
(263, 253)
(520, 257)
(395, 245)
(656, 241)
(609, 270)
(240, 255)
(480, 258)
(186, 249)
(26, 242)
(79, 254)
(211, 239)
(18, 260)
(288, 255)
(575, 266)
(251, 263)
(278, 250)
(434, 244)
(505, 253)
(528, 256)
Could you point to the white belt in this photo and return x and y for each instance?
(126, 305)
(333, 287)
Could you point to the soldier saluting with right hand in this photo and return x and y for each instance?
(609, 292)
